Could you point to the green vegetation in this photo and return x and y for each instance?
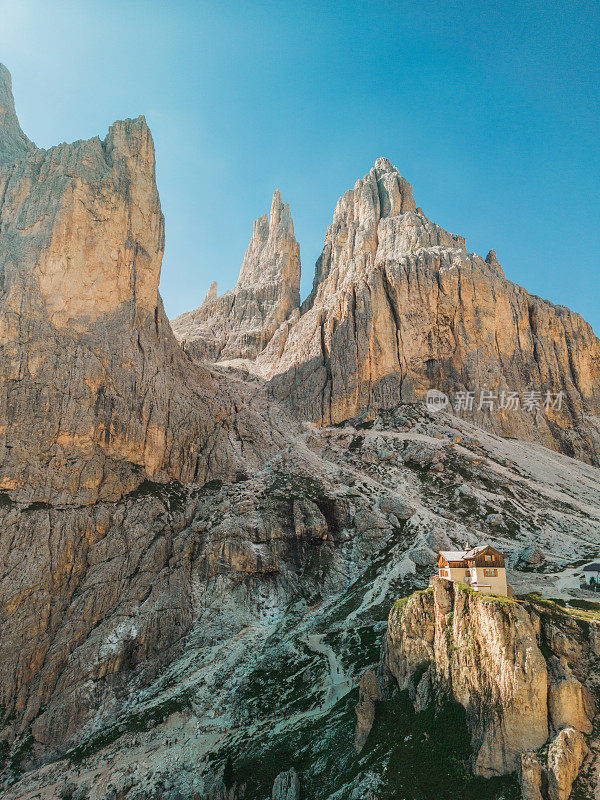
(400, 605)
(133, 723)
(430, 755)
(498, 599)
(39, 505)
(21, 751)
(287, 486)
(364, 426)
(422, 755)
(5, 499)
(172, 494)
(583, 612)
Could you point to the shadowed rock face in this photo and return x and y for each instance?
(240, 323)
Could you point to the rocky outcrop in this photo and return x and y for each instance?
(13, 142)
(241, 322)
(399, 306)
(186, 570)
(141, 635)
(365, 708)
(566, 754)
(286, 786)
(95, 393)
(552, 772)
(486, 654)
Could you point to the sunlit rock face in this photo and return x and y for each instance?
(13, 142)
(399, 306)
(486, 654)
(93, 387)
(99, 408)
(188, 572)
(241, 322)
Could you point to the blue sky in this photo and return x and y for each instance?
(491, 110)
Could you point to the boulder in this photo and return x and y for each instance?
(566, 754)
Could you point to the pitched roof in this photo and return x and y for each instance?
(474, 551)
(592, 567)
(453, 555)
(463, 555)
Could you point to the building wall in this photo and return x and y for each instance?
(489, 584)
(457, 574)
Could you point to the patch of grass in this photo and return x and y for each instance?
(21, 751)
(430, 755)
(498, 599)
(559, 611)
(209, 488)
(172, 494)
(400, 605)
(289, 486)
(364, 426)
(5, 500)
(39, 505)
(133, 723)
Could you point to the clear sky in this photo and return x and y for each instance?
(490, 109)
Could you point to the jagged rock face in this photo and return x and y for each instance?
(97, 399)
(485, 654)
(286, 786)
(164, 633)
(399, 306)
(93, 387)
(13, 142)
(240, 323)
(555, 778)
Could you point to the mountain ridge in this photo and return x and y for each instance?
(193, 575)
(400, 306)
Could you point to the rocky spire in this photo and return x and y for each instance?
(241, 322)
(273, 254)
(377, 218)
(13, 142)
(492, 261)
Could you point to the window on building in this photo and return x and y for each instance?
(490, 573)
(488, 558)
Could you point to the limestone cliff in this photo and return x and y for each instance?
(13, 142)
(93, 387)
(101, 415)
(241, 322)
(399, 305)
(191, 579)
(525, 672)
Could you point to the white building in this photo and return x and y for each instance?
(482, 568)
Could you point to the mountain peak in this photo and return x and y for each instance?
(13, 142)
(240, 323)
(395, 192)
